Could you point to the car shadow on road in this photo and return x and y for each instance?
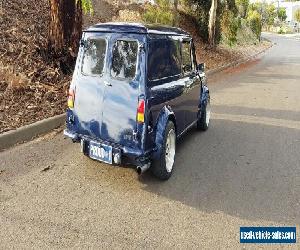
(242, 166)
(246, 170)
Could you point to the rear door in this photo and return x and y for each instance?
(89, 78)
(108, 87)
(123, 89)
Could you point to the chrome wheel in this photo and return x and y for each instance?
(170, 150)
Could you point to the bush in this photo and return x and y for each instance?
(297, 15)
(128, 16)
(230, 25)
(254, 21)
(282, 14)
(245, 35)
(161, 13)
(284, 30)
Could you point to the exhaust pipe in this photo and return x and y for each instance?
(141, 169)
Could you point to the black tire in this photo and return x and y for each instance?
(202, 123)
(159, 167)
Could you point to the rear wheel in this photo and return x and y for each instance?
(203, 121)
(163, 167)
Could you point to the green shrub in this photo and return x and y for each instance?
(282, 14)
(161, 13)
(254, 21)
(297, 15)
(230, 25)
(245, 35)
(285, 30)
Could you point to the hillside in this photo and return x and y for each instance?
(33, 87)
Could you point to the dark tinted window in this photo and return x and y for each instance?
(94, 56)
(124, 59)
(163, 58)
(186, 57)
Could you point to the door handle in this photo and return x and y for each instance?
(107, 83)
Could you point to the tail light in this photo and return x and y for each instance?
(71, 98)
(141, 111)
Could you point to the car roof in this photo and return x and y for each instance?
(122, 27)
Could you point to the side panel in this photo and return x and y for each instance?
(171, 95)
(168, 91)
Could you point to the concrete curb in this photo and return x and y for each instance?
(28, 132)
(238, 62)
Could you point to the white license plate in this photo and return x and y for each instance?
(100, 152)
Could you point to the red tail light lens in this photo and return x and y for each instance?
(141, 111)
(71, 98)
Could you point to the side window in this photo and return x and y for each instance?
(186, 57)
(94, 57)
(163, 58)
(124, 59)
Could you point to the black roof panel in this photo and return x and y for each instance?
(136, 28)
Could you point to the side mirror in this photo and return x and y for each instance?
(201, 67)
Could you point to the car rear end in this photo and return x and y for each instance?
(106, 101)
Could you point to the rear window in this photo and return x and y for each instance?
(124, 59)
(163, 59)
(94, 57)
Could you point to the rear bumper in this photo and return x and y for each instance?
(73, 136)
(135, 156)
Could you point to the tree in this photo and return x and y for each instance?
(266, 11)
(212, 23)
(176, 5)
(176, 17)
(282, 14)
(208, 19)
(66, 25)
(162, 13)
(242, 6)
(230, 25)
(254, 21)
(297, 15)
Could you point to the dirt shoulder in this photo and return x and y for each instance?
(33, 88)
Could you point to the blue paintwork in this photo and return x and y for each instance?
(107, 114)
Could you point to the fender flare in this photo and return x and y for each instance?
(165, 115)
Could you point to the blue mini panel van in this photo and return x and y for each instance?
(135, 90)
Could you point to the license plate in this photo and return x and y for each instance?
(100, 152)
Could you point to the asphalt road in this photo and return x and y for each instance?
(244, 171)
